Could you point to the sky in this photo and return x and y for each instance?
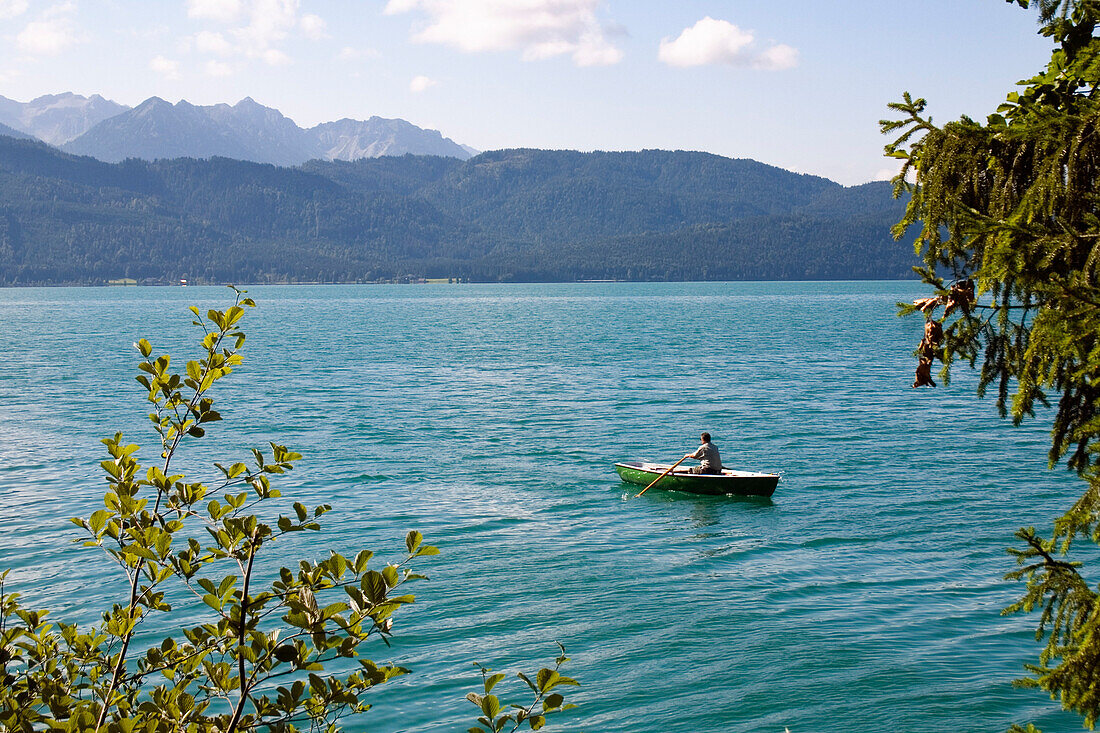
(800, 84)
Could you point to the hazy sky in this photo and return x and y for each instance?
(796, 83)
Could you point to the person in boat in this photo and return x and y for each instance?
(707, 455)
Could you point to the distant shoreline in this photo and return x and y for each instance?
(505, 216)
(105, 286)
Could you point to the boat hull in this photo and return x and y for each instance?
(738, 483)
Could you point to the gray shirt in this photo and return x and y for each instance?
(708, 457)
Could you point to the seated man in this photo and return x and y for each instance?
(709, 460)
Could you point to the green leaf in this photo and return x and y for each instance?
(334, 608)
(144, 347)
(97, 521)
(374, 586)
(490, 705)
(226, 585)
(389, 574)
(286, 652)
(413, 540)
(547, 679)
(492, 680)
(316, 684)
(361, 560)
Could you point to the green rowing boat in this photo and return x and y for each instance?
(740, 483)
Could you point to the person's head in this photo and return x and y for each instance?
(705, 437)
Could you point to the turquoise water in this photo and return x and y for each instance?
(865, 596)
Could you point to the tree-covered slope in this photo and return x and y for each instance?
(847, 245)
(68, 219)
(12, 132)
(507, 215)
(562, 196)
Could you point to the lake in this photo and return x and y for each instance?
(864, 596)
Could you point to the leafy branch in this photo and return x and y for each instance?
(545, 701)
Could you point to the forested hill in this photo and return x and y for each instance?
(513, 215)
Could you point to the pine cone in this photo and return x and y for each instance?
(925, 305)
(961, 297)
(924, 374)
(933, 332)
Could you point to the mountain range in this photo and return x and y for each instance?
(155, 129)
(508, 215)
(57, 118)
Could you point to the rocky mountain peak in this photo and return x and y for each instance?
(246, 130)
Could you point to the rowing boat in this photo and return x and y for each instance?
(741, 483)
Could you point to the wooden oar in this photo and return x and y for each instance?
(674, 465)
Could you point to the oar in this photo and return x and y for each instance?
(674, 465)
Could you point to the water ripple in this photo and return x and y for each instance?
(864, 596)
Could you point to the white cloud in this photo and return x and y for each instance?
(709, 41)
(347, 53)
(888, 174)
(12, 8)
(891, 170)
(224, 11)
(596, 52)
(274, 57)
(218, 68)
(712, 41)
(166, 67)
(776, 58)
(314, 27)
(395, 7)
(209, 42)
(540, 29)
(51, 34)
(253, 29)
(270, 22)
(420, 83)
(44, 38)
